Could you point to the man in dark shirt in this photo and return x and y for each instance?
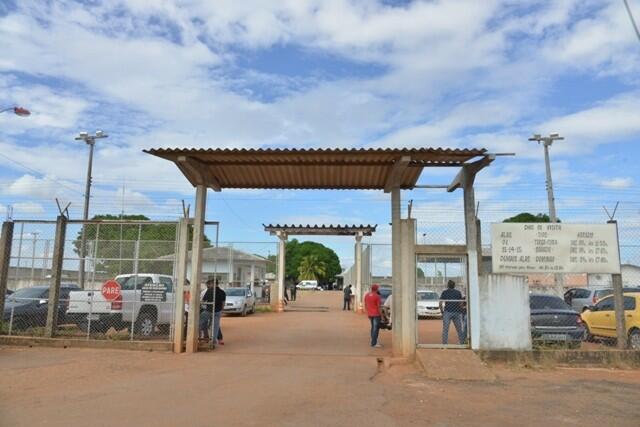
(346, 305)
(206, 309)
(452, 310)
(221, 298)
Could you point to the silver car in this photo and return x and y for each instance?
(239, 301)
(582, 298)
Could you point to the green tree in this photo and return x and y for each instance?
(296, 251)
(528, 217)
(116, 247)
(311, 268)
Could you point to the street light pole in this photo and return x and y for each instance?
(90, 140)
(547, 141)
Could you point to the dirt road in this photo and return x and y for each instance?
(302, 368)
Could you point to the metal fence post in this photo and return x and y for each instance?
(5, 259)
(56, 275)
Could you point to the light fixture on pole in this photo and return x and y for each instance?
(90, 140)
(18, 111)
(547, 141)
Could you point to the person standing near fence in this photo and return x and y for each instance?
(372, 305)
(347, 298)
(207, 310)
(221, 297)
(451, 311)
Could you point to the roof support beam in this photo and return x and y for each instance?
(394, 179)
(468, 172)
(199, 170)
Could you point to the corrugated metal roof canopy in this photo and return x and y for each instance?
(321, 230)
(370, 169)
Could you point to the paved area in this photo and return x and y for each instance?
(311, 368)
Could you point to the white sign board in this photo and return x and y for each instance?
(523, 248)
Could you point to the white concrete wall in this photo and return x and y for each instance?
(504, 313)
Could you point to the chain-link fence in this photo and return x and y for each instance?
(118, 279)
(577, 310)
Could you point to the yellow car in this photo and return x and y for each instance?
(600, 319)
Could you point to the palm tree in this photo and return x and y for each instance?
(311, 268)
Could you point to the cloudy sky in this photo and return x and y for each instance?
(312, 73)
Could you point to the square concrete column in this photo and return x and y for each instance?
(408, 314)
(473, 267)
(196, 269)
(6, 238)
(277, 297)
(253, 276)
(56, 275)
(396, 274)
(357, 306)
(181, 278)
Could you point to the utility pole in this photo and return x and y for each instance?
(90, 140)
(547, 141)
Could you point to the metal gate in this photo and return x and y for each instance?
(441, 301)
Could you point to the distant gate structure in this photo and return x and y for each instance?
(390, 170)
(284, 231)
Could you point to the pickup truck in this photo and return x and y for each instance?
(146, 301)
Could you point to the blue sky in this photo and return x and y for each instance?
(335, 73)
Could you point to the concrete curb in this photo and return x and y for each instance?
(575, 358)
(75, 343)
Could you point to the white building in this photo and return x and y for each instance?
(630, 277)
(230, 266)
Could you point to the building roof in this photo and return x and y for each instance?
(372, 169)
(321, 230)
(221, 253)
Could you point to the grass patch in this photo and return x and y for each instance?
(263, 309)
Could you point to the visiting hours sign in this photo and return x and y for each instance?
(554, 248)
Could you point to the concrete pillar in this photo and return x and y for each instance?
(56, 275)
(277, 297)
(181, 277)
(473, 281)
(357, 306)
(253, 276)
(408, 276)
(6, 238)
(396, 279)
(196, 269)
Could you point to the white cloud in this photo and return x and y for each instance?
(617, 183)
(28, 208)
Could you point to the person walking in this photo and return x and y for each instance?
(451, 306)
(294, 291)
(372, 305)
(347, 298)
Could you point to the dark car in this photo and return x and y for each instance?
(554, 321)
(27, 307)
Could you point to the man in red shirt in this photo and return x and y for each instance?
(372, 305)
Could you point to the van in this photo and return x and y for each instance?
(307, 284)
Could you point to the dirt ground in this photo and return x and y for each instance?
(309, 367)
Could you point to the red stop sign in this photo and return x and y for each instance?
(111, 290)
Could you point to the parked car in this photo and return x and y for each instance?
(387, 302)
(428, 304)
(89, 309)
(308, 285)
(28, 307)
(582, 298)
(554, 321)
(600, 319)
(239, 301)
(8, 292)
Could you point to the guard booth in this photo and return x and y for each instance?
(388, 170)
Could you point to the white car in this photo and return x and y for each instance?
(308, 284)
(428, 304)
(239, 301)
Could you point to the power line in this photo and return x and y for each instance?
(633, 21)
